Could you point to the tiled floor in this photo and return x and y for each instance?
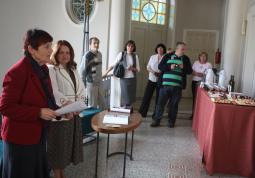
(158, 153)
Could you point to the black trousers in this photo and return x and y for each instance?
(194, 93)
(173, 94)
(151, 86)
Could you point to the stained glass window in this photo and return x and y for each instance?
(149, 11)
(75, 9)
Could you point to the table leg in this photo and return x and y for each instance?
(132, 142)
(107, 151)
(97, 149)
(125, 154)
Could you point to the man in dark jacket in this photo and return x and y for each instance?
(174, 67)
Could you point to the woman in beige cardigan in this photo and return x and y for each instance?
(65, 136)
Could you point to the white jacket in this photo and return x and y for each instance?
(63, 87)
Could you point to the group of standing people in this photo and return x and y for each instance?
(168, 75)
(36, 139)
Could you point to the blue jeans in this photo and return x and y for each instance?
(173, 94)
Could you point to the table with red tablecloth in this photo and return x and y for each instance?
(226, 136)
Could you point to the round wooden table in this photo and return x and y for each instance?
(97, 124)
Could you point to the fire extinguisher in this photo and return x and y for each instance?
(217, 59)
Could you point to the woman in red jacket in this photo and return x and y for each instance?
(27, 105)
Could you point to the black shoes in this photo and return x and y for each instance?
(171, 125)
(155, 124)
(191, 117)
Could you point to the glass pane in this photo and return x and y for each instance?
(162, 1)
(161, 19)
(172, 15)
(155, 4)
(161, 8)
(77, 7)
(172, 2)
(172, 11)
(148, 11)
(145, 1)
(135, 15)
(154, 20)
(142, 19)
(136, 4)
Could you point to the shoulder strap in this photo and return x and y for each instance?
(134, 59)
(122, 56)
(89, 56)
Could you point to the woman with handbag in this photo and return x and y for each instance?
(129, 60)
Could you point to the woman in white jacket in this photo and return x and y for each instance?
(65, 136)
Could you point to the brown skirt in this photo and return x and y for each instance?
(65, 143)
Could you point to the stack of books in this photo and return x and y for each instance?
(121, 110)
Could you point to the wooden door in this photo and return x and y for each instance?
(146, 36)
(199, 40)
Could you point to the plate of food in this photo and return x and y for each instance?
(245, 102)
(222, 100)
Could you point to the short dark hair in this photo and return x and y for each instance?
(35, 38)
(160, 45)
(93, 38)
(54, 57)
(180, 43)
(130, 42)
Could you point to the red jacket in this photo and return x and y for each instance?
(20, 104)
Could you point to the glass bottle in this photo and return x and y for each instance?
(232, 83)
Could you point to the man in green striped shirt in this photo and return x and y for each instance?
(175, 67)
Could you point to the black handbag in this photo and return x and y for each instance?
(119, 69)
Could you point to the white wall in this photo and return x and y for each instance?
(17, 16)
(248, 56)
(199, 14)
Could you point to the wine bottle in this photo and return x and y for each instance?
(232, 83)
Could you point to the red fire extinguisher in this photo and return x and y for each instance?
(217, 59)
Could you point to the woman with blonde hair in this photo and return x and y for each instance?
(199, 67)
(65, 136)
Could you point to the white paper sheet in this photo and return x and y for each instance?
(73, 107)
(115, 119)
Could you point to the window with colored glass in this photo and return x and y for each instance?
(149, 11)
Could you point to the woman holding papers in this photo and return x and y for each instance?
(27, 105)
(65, 136)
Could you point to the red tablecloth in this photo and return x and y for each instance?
(226, 136)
